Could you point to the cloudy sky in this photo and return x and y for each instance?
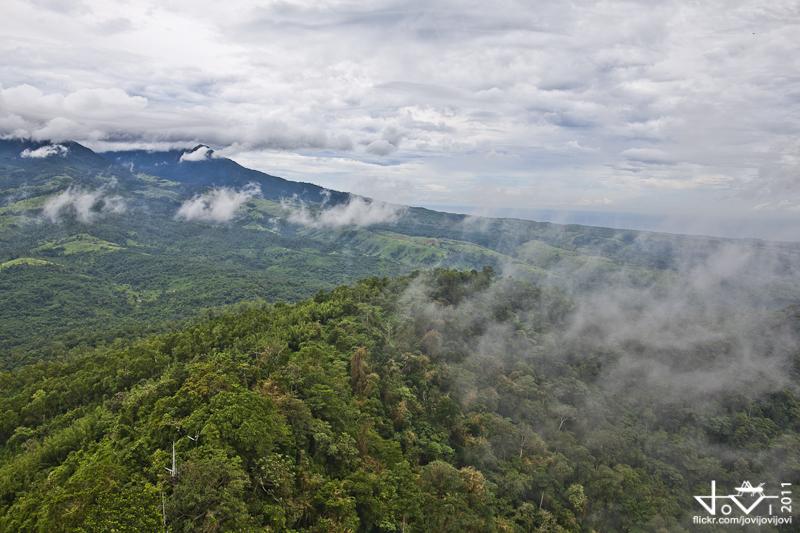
(687, 111)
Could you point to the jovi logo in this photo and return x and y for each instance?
(746, 499)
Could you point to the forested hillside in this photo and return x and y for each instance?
(451, 401)
(97, 246)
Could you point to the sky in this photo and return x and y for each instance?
(684, 113)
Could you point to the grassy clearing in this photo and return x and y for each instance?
(78, 244)
(24, 261)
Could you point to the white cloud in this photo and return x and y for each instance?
(381, 147)
(217, 205)
(85, 205)
(647, 155)
(45, 151)
(200, 153)
(356, 212)
(84, 114)
(492, 105)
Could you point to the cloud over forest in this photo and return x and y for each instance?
(219, 204)
(356, 211)
(44, 152)
(86, 205)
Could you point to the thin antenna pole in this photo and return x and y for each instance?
(173, 472)
(174, 461)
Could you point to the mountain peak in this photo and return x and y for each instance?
(201, 152)
(48, 152)
(200, 168)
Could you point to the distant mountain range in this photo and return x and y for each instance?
(95, 244)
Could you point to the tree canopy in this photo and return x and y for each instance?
(358, 410)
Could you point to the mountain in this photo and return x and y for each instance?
(319, 361)
(44, 155)
(199, 167)
(94, 246)
(446, 401)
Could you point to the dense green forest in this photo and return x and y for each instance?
(443, 401)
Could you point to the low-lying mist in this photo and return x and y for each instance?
(683, 368)
(710, 325)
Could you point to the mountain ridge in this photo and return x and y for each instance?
(135, 234)
(216, 171)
